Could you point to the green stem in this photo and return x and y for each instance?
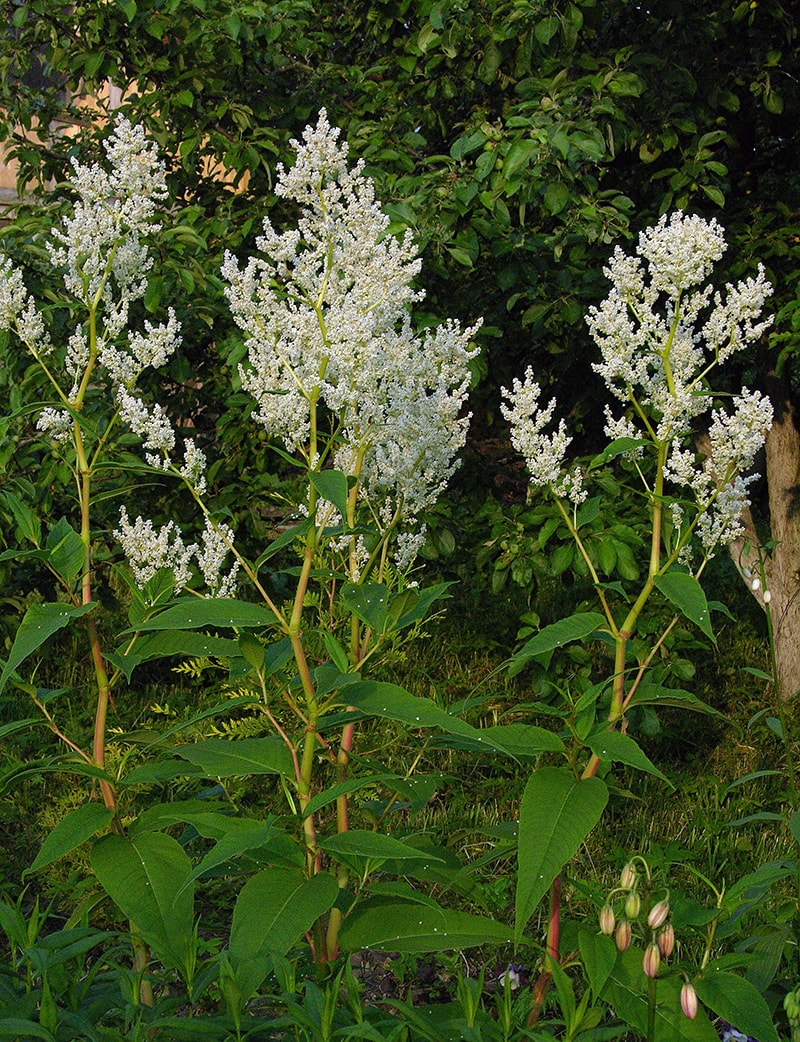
(651, 1008)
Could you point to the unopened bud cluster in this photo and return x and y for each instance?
(647, 919)
(791, 1005)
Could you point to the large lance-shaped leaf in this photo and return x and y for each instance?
(192, 614)
(40, 622)
(619, 747)
(376, 698)
(164, 643)
(238, 758)
(73, 829)
(273, 911)
(576, 627)
(738, 1001)
(558, 812)
(406, 926)
(686, 593)
(358, 845)
(626, 991)
(144, 876)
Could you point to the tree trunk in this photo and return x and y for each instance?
(781, 567)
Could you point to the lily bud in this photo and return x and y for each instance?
(627, 879)
(651, 961)
(689, 1001)
(633, 904)
(623, 936)
(666, 941)
(658, 914)
(607, 920)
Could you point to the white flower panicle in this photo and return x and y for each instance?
(149, 550)
(114, 209)
(326, 311)
(544, 453)
(660, 333)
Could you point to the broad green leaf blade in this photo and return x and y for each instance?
(276, 907)
(284, 539)
(171, 642)
(615, 746)
(737, 1001)
(39, 623)
(144, 876)
(521, 740)
(598, 954)
(618, 447)
(73, 829)
(273, 911)
(409, 927)
(238, 758)
(18, 1027)
(626, 991)
(377, 698)
(331, 485)
(558, 812)
(686, 593)
(373, 846)
(648, 694)
(193, 614)
(333, 792)
(21, 725)
(576, 627)
(27, 519)
(240, 836)
(369, 602)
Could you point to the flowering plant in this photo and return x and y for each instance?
(662, 333)
(371, 414)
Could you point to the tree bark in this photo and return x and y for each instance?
(781, 565)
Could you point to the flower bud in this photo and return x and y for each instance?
(607, 920)
(767, 596)
(651, 961)
(689, 1001)
(666, 941)
(627, 879)
(633, 904)
(658, 914)
(623, 936)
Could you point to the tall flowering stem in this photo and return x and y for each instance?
(661, 331)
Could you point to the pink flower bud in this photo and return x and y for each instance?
(627, 879)
(607, 920)
(633, 904)
(689, 1001)
(658, 915)
(623, 935)
(666, 941)
(651, 961)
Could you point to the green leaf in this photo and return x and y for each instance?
(558, 812)
(39, 623)
(576, 627)
(144, 876)
(686, 593)
(520, 740)
(166, 643)
(238, 758)
(73, 829)
(67, 552)
(409, 927)
(273, 911)
(369, 602)
(284, 539)
(276, 907)
(618, 447)
(598, 955)
(556, 197)
(20, 1028)
(331, 485)
(237, 836)
(27, 520)
(193, 614)
(655, 695)
(616, 746)
(737, 1001)
(362, 844)
(377, 698)
(626, 991)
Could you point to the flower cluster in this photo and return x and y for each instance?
(325, 307)
(101, 249)
(149, 550)
(660, 333)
